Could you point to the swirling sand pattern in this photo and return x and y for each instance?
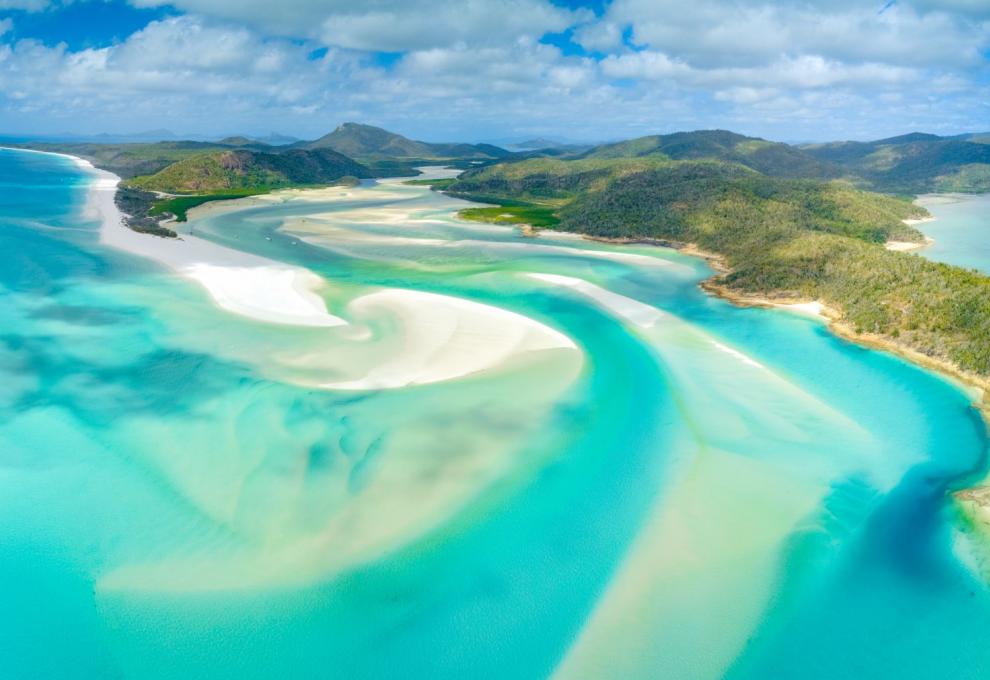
(504, 458)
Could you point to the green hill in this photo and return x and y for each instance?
(241, 169)
(654, 197)
(778, 238)
(770, 158)
(913, 164)
(369, 142)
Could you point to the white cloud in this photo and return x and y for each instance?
(6, 25)
(599, 36)
(474, 69)
(390, 25)
(25, 5)
(646, 65)
(798, 73)
(750, 32)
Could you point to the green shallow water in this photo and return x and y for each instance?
(723, 493)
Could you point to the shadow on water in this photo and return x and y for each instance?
(161, 382)
(869, 572)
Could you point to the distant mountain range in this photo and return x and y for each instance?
(914, 163)
(909, 164)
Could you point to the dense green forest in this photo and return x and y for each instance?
(913, 164)
(770, 158)
(780, 238)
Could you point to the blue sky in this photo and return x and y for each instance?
(490, 70)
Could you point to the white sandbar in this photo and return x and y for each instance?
(638, 313)
(430, 337)
(444, 337)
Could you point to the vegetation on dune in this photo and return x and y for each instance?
(780, 238)
(135, 205)
(540, 216)
(532, 191)
(181, 205)
(936, 309)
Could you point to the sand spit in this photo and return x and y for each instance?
(631, 310)
(238, 282)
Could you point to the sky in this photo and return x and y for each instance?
(496, 70)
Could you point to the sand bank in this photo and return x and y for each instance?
(631, 310)
(437, 337)
(238, 282)
(445, 337)
(314, 228)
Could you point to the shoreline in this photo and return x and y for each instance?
(910, 246)
(247, 285)
(831, 316)
(446, 337)
(222, 279)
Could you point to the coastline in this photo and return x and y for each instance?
(831, 316)
(443, 337)
(910, 246)
(241, 283)
(262, 289)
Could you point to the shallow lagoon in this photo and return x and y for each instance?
(699, 491)
(961, 230)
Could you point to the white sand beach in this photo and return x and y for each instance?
(433, 337)
(815, 308)
(238, 282)
(908, 246)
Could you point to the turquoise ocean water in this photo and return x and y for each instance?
(961, 230)
(722, 493)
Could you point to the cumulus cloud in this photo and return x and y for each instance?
(477, 69)
(390, 25)
(5, 26)
(182, 67)
(803, 72)
(748, 32)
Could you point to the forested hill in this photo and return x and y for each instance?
(914, 163)
(218, 171)
(780, 238)
(770, 158)
(369, 142)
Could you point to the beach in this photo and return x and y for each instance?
(438, 337)
(910, 246)
(585, 461)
